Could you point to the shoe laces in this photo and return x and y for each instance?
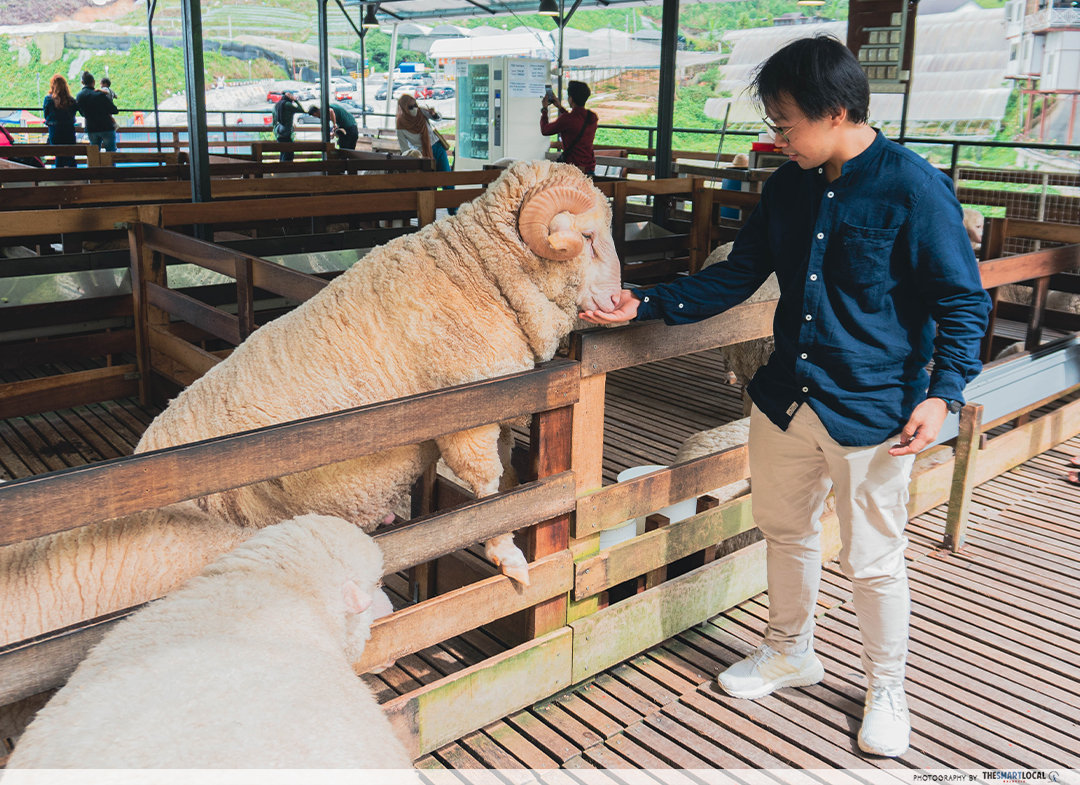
(888, 699)
(762, 654)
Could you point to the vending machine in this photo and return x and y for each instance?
(498, 110)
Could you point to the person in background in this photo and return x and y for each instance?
(106, 87)
(576, 128)
(415, 132)
(59, 109)
(342, 125)
(284, 112)
(98, 110)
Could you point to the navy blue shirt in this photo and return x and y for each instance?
(867, 265)
(97, 108)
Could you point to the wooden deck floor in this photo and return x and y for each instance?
(993, 673)
(994, 677)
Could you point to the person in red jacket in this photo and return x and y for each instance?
(576, 128)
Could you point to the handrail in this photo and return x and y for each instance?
(67, 499)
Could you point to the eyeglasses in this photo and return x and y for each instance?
(778, 130)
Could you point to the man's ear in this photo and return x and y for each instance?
(356, 601)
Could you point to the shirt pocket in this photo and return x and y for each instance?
(863, 257)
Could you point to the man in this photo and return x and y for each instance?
(98, 109)
(576, 128)
(869, 248)
(284, 112)
(342, 125)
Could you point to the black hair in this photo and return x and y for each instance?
(313, 110)
(106, 82)
(819, 74)
(87, 79)
(579, 92)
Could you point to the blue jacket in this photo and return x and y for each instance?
(867, 266)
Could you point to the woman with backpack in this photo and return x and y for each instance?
(59, 108)
(576, 128)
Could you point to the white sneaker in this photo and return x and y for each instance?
(886, 725)
(767, 669)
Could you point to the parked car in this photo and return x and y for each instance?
(440, 92)
(418, 80)
(422, 92)
(273, 96)
(399, 89)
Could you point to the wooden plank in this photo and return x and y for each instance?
(206, 317)
(425, 539)
(266, 275)
(66, 390)
(187, 354)
(443, 617)
(60, 349)
(30, 667)
(1042, 230)
(1024, 267)
(425, 208)
(588, 429)
(644, 495)
(619, 631)
(605, 350)
(967, 451)
(551, 454)
(447, 709)
(662, 546)
(75, 497)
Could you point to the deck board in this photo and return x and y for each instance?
(993, 680)
(993, 674)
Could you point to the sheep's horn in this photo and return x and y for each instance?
(539, 208)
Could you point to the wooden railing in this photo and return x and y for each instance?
(572, 631)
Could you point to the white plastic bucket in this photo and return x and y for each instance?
(679, 511)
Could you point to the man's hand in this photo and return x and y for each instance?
(625, 310)
(922, 428)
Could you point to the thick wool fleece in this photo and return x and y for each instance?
(248, 665)
(55, 581)
(463, 299)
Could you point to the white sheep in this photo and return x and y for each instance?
(744, 359)
(248, 665)
(487, 292)
(974, 221)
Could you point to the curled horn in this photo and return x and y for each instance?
(538, 210)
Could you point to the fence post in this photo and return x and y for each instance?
(618, 219)
(993, 247)
(551, 452)
(245, 296)
(587, 457)
(967, 448)
(700, 224)
(146, 266)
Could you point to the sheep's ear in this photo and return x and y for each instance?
(356, 601)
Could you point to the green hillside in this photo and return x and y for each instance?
(26, 86)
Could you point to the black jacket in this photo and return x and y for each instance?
(97, 108)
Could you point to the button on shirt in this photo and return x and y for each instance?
(867, 265)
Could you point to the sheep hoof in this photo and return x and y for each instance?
(516, 572)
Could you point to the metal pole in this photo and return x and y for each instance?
(562, 27)
(363, 71)
(153, 68)
(903, 112)
(194, 83)
(390, 73)
(324, 72)
(665, 110)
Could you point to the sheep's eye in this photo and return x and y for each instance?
(588, 235)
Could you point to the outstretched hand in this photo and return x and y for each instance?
(922, 427)
(625, 310)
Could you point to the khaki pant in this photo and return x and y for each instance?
(791, 472)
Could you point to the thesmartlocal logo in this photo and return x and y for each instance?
(1021, 776)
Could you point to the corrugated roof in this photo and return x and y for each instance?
(959, 68)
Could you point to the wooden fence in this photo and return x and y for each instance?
(570, 632)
